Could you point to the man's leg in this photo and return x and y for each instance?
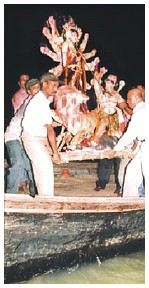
(116, 163)
(29, 172)
(133, 177)
(141, 190)
(104, 172)
(16, 173)
(41, 163)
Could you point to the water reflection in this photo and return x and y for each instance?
(128, 269)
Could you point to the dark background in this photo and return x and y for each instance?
(117, 32)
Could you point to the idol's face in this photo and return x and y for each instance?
(110, 83)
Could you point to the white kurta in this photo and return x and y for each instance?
(134, 172)
(34, 136)
(13, 130)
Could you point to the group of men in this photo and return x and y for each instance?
(31, 142)
(20, 170)
(30, 138)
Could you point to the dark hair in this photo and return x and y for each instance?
(22, 74)
(116, 86)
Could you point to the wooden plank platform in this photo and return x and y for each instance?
(24, 203)
(90, 153)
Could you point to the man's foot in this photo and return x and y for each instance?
(117, 190)
(98, 188)
(32, 189)
(32, 194)
(23, 188)
(119, 194)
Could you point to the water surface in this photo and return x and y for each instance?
(127, 269)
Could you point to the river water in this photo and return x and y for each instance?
(127, 269)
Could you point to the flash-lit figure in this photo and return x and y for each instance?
(111, 106)
(69, 52)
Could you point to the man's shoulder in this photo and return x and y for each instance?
(36, 99)
(37, 96)
(19, 92)
(140, 108)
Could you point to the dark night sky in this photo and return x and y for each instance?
(117, 31)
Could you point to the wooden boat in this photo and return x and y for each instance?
(43, 234)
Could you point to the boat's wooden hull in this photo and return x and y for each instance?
(44, 233)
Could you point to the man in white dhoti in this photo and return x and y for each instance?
(135, 171)
(39, 137)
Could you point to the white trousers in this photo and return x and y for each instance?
(133, 177)
(144, 159)
(39, 154)
(124, 162)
